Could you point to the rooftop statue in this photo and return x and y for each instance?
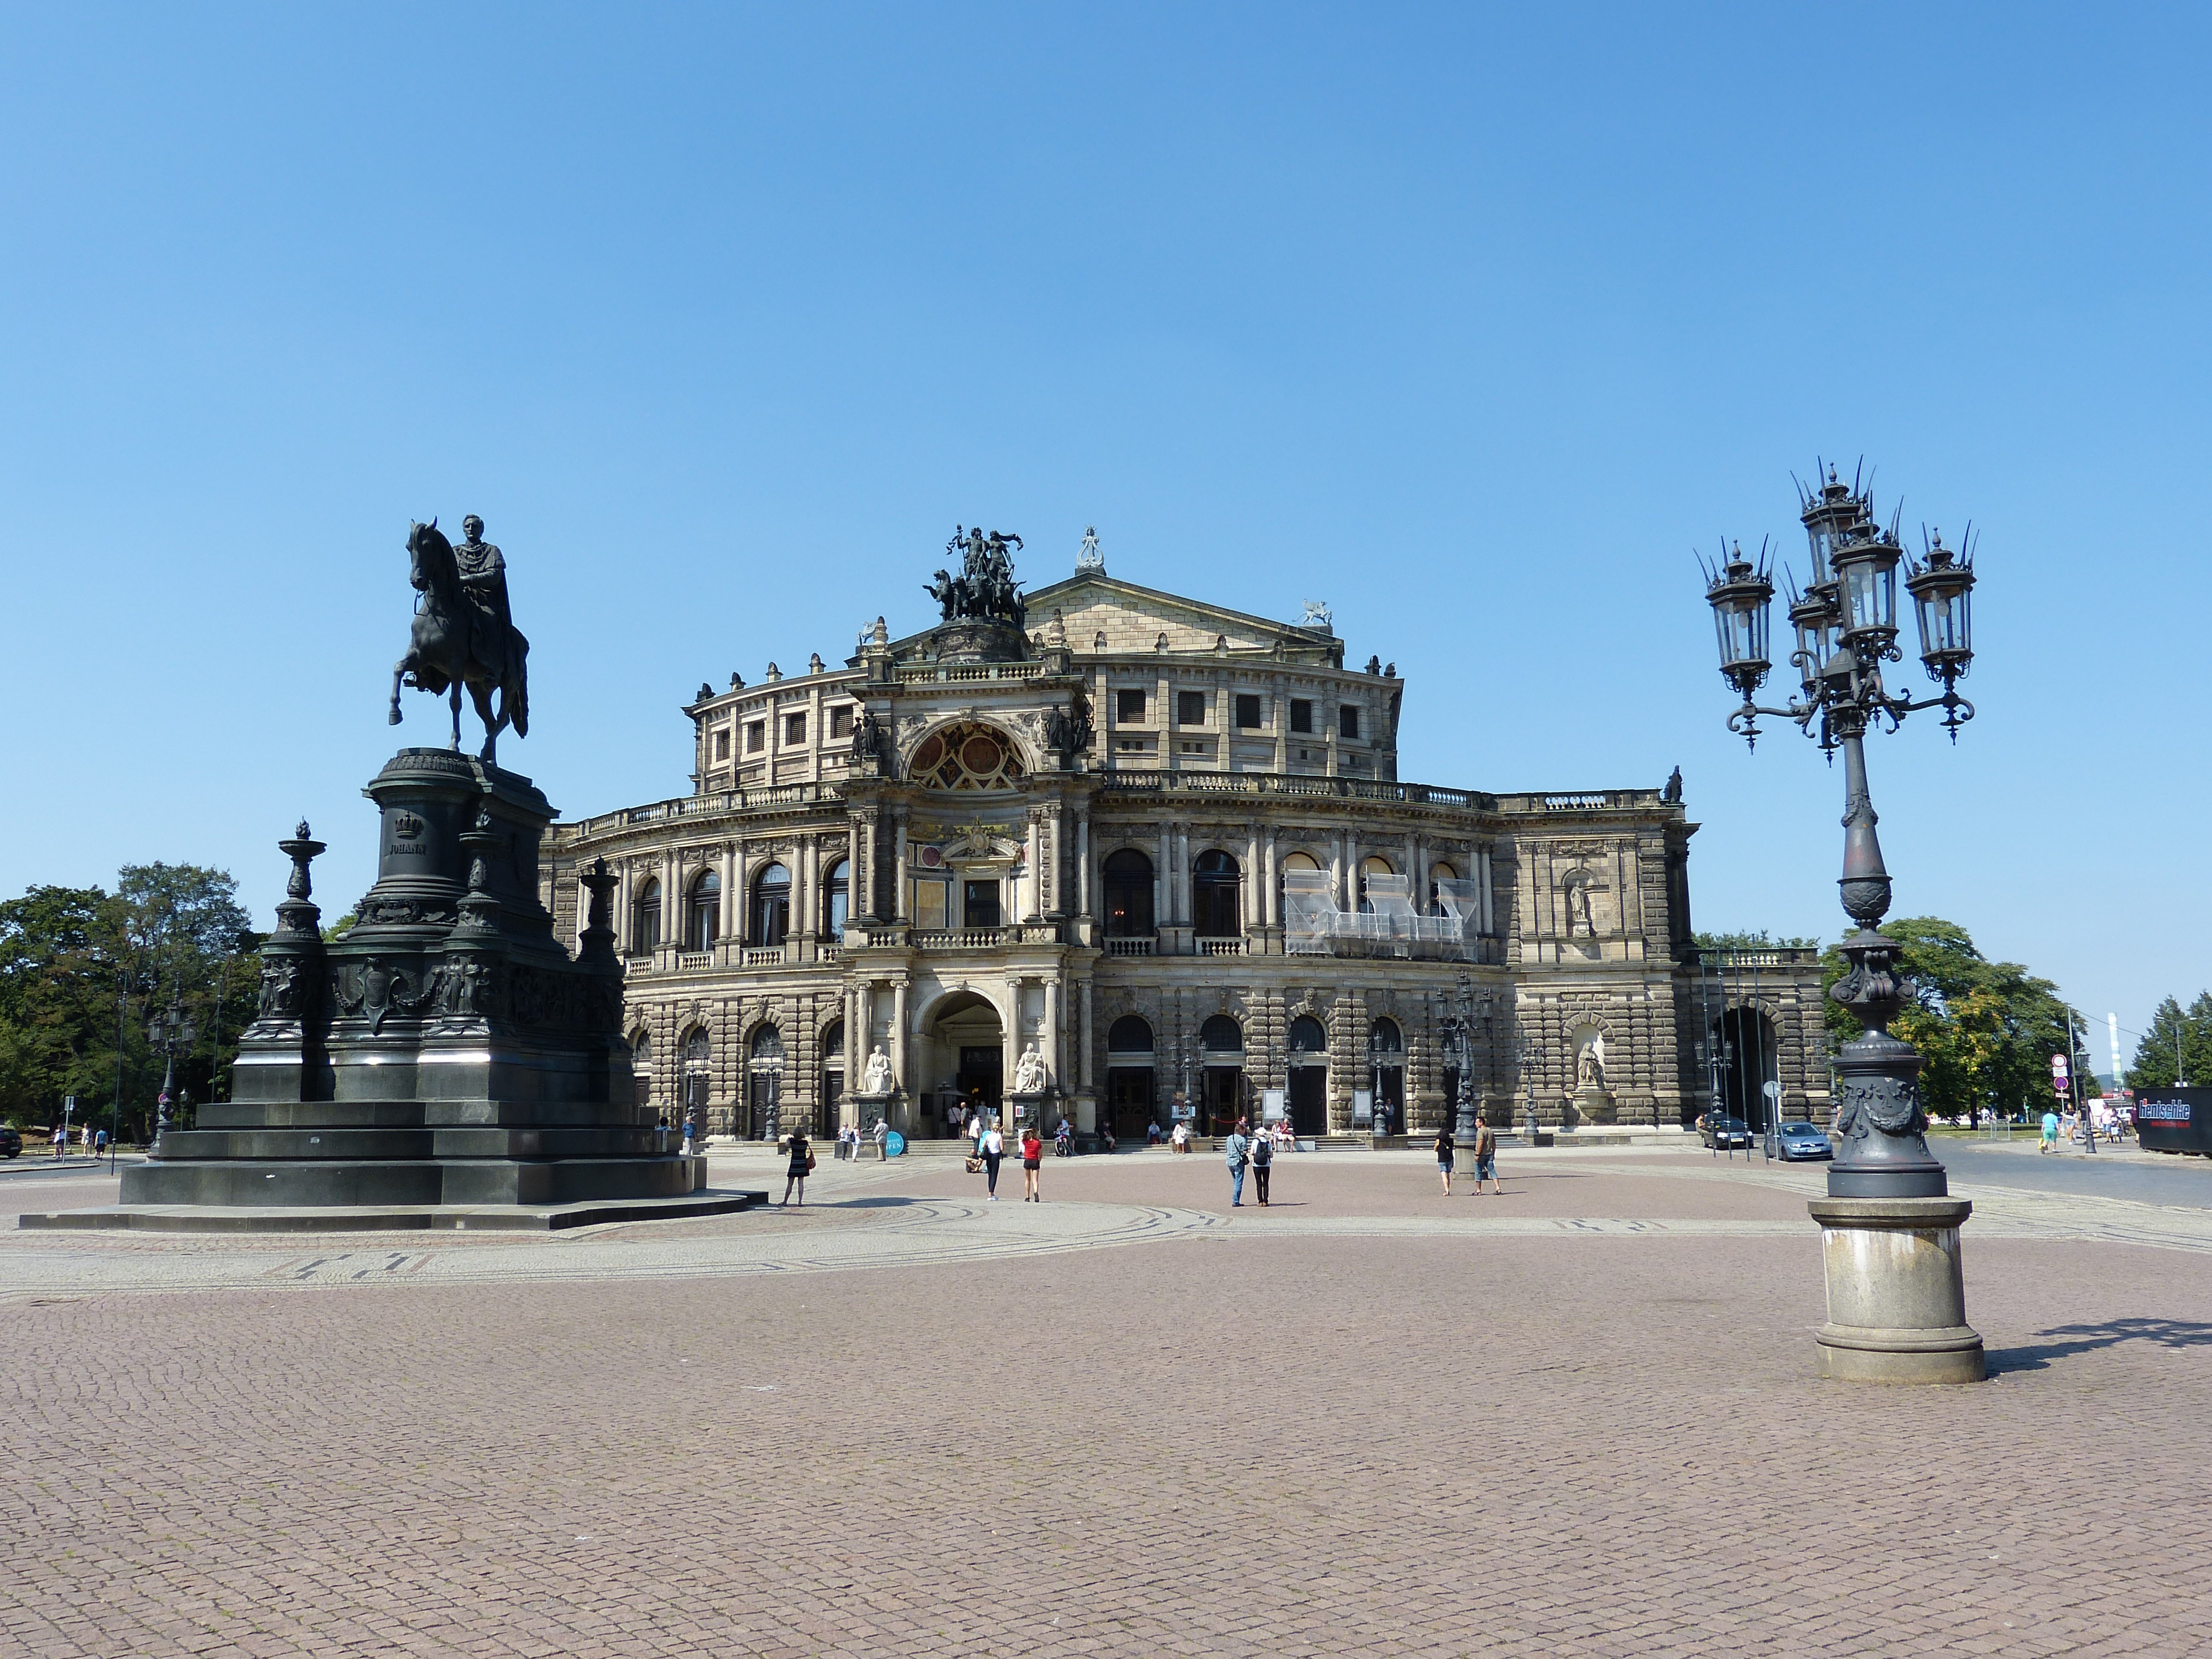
(464, 633)
(985, 590)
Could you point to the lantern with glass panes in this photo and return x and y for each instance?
(169, 1033)
(1845, 623)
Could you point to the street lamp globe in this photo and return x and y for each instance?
(1942, 589)
(1866, 574)
(1740, 593)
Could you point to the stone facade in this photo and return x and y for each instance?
(1165, 842)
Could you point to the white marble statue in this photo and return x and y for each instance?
(1589, 1071)
(877, 1078)
(1029, 1077)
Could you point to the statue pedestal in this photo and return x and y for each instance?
(869, 1108)
(1897, 1291)
(1027, 1107)
(1593, 1104)
(446, 1053)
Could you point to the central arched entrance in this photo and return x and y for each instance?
(1129, 1094)
(1221, 1084)
(965, 1043)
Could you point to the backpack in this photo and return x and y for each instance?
(1263, 1152)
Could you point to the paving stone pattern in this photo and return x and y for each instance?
(1237, 1439)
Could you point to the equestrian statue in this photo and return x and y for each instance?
(464, 634)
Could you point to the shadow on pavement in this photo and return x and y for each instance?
(2085, 1339)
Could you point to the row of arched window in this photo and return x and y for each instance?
(767, 914)
(1132, 1034)
(1214, 884)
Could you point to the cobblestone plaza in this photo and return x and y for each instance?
(1578, 1419)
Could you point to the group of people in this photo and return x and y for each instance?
(94, 1141)
(990, 1151)
(1247, 1150)
(1486, 1158)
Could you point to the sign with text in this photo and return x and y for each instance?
(2174, 1120)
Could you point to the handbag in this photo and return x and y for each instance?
(810, 1163)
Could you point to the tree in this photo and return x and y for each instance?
(2175, 1038)
(62, 951)
(1987, 1030)
(1747, 941)
(77, 964)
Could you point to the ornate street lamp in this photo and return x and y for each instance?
(168, 1032)
(1845, 623)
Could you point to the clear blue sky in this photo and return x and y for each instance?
(1472, 325)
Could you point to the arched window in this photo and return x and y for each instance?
(1221, 1035)
(645, 919)
(767, 1046)
(1384, 1038)
(1439, 872)
(1213, 896)
(641, 1064)
(1128, 894)
(966, 756)
(833, 1042)
(1129, 1035)
(836, 894)
(703, 912)
(1371, 867)
(1307, 1037)
(771, 906)
(698, 1049)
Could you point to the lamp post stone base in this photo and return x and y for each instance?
(1897, 1291)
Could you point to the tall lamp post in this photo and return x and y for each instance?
(1897, 1303)
(169, 1031)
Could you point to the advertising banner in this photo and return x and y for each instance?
(2174, 1120)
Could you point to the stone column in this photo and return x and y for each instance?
(859, 895)
(1251, 909)
(898, 865)
(1050, 1044)
(1163, 879)
(1271, 896)
(733, 899)
(1083, 863)
(1033, 847)
(1010, 1050)
(898, 1032)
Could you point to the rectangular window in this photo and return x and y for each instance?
(1248, 711)
(982, 904)
(1190, 709)
(1347, 721)
(756, 736)
(1301, 714)
(1128, 706)
(722, 744)
(840, 722)
(794, 728)
(929, 903)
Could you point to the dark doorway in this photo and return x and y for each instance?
(980, 904)
(1129, 1100)
(982, 1075)
(1750, 1076)
(1309, 1100)
(1221, 1093)
(1213, 896)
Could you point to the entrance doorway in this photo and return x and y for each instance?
(1750, 1066)
(965, 1055)
(982, 1075)
(1129, 1100)
(1309, 1047)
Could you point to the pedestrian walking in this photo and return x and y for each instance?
(1032, 1164)
(1447, 1153)
(100, 1144)
(1485, 1160)
(691, 1131)
(60, 1139)
(800, 1167)
(991, 1145)
(883, 1134)
(1263, 1164)
(2049, 1141)
(1238, 1148)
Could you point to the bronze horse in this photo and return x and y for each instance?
(456, 642)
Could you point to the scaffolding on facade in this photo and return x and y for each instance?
(1388, 922)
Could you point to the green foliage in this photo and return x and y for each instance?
(338, 929)
(2156, 1055)
(80, 965)
(1758, 941)
(1986, 1028)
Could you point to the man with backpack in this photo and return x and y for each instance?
(1263, 1160)
(1238, 1147)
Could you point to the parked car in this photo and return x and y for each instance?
(1721, 1132)
(11, 1140)
(1803, 1140)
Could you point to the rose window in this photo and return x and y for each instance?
(966, 757)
